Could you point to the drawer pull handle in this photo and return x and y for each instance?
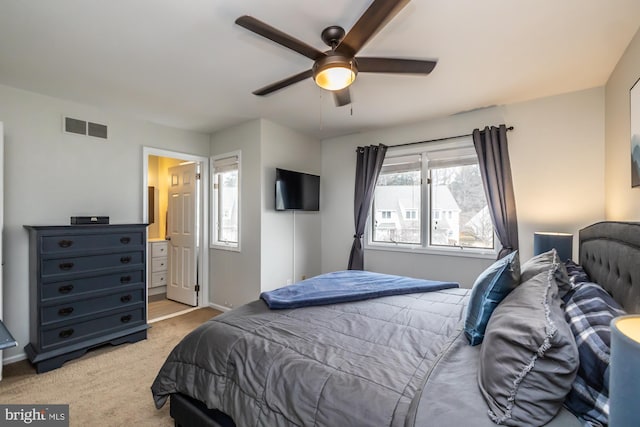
(65, 311)
(65, 243)
(125, 240)
(66, 333)
(125, 319)
(65, 289)
(125, 279)
(125, 298)
(125, 259)
(65, 266)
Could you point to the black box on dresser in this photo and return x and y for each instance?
(87, 287)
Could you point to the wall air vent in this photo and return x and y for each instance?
(75, 126)
(83, 127)
(97, 130)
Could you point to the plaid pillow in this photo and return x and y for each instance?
(589, 310)
(576, 273)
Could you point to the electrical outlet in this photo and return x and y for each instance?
(288, 282)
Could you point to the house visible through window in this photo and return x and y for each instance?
(436, 198)
(225, 200)
(411, 214)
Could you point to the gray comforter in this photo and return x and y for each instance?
(390, 361)
(354, 364)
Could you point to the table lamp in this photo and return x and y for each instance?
(544, 241)
(624, 372)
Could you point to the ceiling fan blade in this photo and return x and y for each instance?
(342, 97)
(273, 34)
(394, 65)
(283, 83)
(371, 21)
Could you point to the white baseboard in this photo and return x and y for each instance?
(169, 316)
(15, 358)
(219, 307)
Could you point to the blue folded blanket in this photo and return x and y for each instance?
(348, 285)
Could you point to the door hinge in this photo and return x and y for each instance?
(197, 288)
(198, 176)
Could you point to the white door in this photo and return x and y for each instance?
(182, 234)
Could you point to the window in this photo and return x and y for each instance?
(398, 190)
(226, 201)
(437, 197)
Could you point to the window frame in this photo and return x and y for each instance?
(214, 223)
(463, 151)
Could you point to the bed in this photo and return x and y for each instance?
(406, 359)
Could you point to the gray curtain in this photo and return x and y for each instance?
(368, 166)
(493, 158)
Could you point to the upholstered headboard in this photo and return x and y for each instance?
(610, 254)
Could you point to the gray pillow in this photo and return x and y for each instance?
(489, 289)
(544, 262)
(529, 359)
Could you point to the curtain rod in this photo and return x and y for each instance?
(437, 139)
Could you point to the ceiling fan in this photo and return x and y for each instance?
(337, 68)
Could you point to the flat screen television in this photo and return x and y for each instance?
(297, 191)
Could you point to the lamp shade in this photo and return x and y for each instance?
(334, 71)
(545, 241)
(624, 372)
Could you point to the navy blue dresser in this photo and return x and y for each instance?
(86, 288)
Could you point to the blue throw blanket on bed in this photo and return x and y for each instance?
(349, 285)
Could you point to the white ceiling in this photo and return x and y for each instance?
(186, 64)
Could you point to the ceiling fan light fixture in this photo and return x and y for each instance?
(334, 72)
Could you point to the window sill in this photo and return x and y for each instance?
(225, 247)
(457, 252)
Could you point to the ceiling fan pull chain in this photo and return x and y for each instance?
(352, 78)
(321, 117)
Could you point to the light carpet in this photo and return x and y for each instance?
(108, 386)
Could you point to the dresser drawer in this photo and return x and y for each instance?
(158, 264)
(90, 263)
(159, 249)
(76, 287)
(94, 327)
(78, 308)
(91, 241)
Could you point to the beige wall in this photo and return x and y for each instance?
(290, 240)
(622, 201)
(235, 276)
(164, 163)
(50, 176)
(556, 155)
(272, 247)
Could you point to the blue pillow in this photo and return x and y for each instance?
(589, 311)
(489, 289)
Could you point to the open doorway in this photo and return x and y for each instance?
(175, 206)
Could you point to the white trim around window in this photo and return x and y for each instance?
(453, 153)
(222, 165)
